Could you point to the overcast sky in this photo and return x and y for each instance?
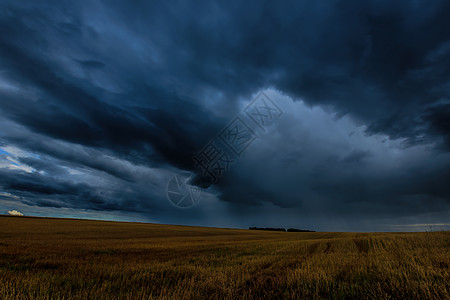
(344, 107)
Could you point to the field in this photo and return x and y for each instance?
(44, 258)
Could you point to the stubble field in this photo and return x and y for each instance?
(43, 258)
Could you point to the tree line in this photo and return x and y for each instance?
(280, 229)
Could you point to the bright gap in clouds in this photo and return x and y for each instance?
(9, 159)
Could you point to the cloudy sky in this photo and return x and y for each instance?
(338, 112)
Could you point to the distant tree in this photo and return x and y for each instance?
(280, 229)
(267, 228)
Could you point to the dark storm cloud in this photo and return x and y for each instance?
(317, 163)
(52, 185)
(41, 189)
(69, 111)
(114, 90)
(385, 63)
(376, 61)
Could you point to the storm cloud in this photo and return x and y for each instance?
(102, 102)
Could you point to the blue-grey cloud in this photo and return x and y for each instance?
(112, 98)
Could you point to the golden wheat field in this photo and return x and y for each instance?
(42, 258)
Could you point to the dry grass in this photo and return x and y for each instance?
(71, 259)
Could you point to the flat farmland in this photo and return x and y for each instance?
(45, 258)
